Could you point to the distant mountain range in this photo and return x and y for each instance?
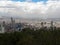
(38, 19)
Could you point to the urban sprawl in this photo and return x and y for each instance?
(13, 26)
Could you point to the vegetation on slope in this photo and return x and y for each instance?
(31, 37)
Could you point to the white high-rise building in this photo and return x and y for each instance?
(1, 29)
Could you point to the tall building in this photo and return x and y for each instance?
(2, 29)
(3, 23)
(12, 20)
(52, 26)
(42, 24)
(13, 24)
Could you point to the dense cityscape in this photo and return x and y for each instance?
(13, 25)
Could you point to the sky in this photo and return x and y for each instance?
(30, 8)
(30, 0)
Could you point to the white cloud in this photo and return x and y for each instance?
(54, 0)
(30, 9)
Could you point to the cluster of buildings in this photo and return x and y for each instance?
(10, 27)
(13, 26)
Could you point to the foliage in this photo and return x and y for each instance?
(31, 37)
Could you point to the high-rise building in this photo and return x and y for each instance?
(13, 24)
(3, 23)
(42, 24)
(52, 26)
(2, 29)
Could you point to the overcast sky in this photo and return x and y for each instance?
(30, 8)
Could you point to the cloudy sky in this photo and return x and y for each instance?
(30, 8)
